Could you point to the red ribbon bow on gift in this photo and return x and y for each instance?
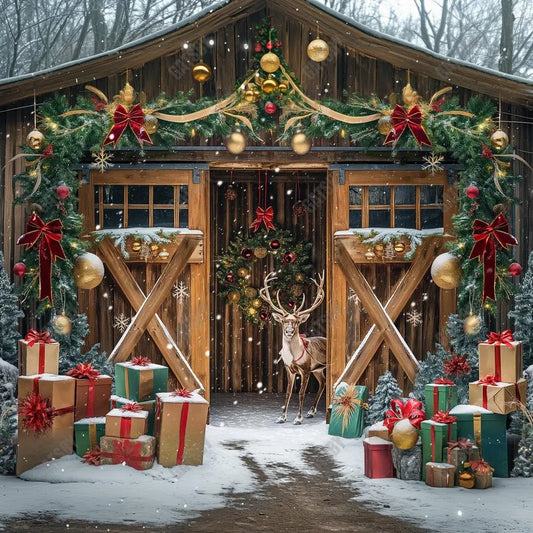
(263, 216)
(488, 238)
(41, 337)
(443, 381)
(444, 417)
(93, 456)
(505, 337)
(37, 414)
(122, 118)
(140, 361)
(488, 380)
(400, 119)
(461, 444)
(50, 248)
(83, 371)
(398, 411)
(132, 407)
(182, 392)
(127, 451)
(482, 467)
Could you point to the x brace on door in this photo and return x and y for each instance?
(146, 308)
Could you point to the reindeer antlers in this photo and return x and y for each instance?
(264, 293)
(318, 298)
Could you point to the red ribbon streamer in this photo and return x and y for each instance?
(264, 216)
(50, 249)
(122, 118)
(400, 119)
(398, 411)
(125, 427)
(140, 361)
(183, 430)
(488, 238)
(128, 452)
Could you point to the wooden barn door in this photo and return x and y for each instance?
(242, 353)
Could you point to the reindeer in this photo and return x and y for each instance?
(301, 355)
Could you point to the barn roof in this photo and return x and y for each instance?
(332, 24)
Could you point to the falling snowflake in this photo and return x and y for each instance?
(433, 163)
(414, 318)
(389, 252)
(180, 291)
(101, 160)
(121, 322)
(144, 252)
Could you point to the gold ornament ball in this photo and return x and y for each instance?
(260, 252)
(234, 296)
(404, 435)
(257, 303)
(252, 311)
(62, 324)
(35, 140)
(472, 324)
(378, 248)
(242, 272)
(201, 72)
(299, 277)
(385, 125)
(136, 246)
(269, 62)
(88, 271)
(252, 94)
(236, 142)
(300, 143)
(499, 208)
(250, 292)
(499, 140)
(399, 247)
(154, 248)
(446, 271)
(297, 290)
(283, 86)
(150, 124)
(269, 85)
(318, 50)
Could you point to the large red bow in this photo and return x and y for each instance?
(50, 248)
(132, 407)
(263, 216)
(83, 371)
(93, 456)
(400, 119)
(461, 444)
(505, 337)
(41, 337)
(444, 417)
(488, 380)
(481, 467)
(122, 118)
(488, 237)
(398, 411)
(37, 414)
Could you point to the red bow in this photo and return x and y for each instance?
(50, 248)
(140, 361)
(481, 467)
(488, 238)
(456, 365)
(93, 456)
(488, 380)
(37, 414)
(182, 392)
(132, 407)
(122, 118)
(400, 119)
(263, 216)
(444, 417)
(41, 337)
(443, 381)
(83, 371)
(127, 451)
(398, 411)
(505, 337)
(461, 444)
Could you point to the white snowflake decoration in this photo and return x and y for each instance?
(414, 318)
(389, 252)
(101, 160)
(180, 291)
(433, 163)
(121, 322)
(144, 252)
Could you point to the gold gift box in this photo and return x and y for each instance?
(510, 361)
(114, 424)
(138, 453)
(440, 475)
(29, 358)
(500, 398)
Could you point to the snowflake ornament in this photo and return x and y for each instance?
(389, 252)
(121, 322)
(180, 291)
(101, 160)
(414, 318)
(433, 163)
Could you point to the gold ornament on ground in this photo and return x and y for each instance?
(499, 140)
(269, 62)
(236, 143)
(35, 140)
(150, 124)
(404, 435)
(62, 324)
(472, 324)
(318, 50)
(260, 252)
(446, 271)
(201, 72)
(300, 143)
(88, 271)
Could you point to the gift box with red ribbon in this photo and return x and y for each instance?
(378, 458)
(138, 453)
(87, 433)
(439, 475)
(482, 473)
(440, 396)
(181, 417)
(460, 452)
(501, 356)
(46, 419)
(129, 422)
(496, 396)
(93, 391)
(38, 354)
(149, 405)
(140, 379)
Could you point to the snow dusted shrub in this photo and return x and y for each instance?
(386, 390)
(8, 416)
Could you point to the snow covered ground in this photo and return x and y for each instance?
(243, 426)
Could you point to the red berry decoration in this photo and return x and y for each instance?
(265, 315)
(62, 192)
(472, 192)
(258, 48)
(270, 108)
(269, 45)
(275, 244)
(278, 44)
(231, 277)
(515, 269)
(19, 269)
(247, 253)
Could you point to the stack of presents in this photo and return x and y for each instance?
(447, 444)
(77, 412)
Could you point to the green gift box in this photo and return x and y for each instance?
(488, 431)
(87, 433)
(149, 405)
(139, 380)
(439, 397)
(347, 411)
(435, 437)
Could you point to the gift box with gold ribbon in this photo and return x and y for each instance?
(435, 435)
(128, 422)
(46, 419)
(181, 417)
(348, 411)
(38, 354)
(149, 405)
(138, 453)
(496, 396)
(140, 380)
(87, 433)
(501, 356)
(439, 475)
(440, 395)
(92, 391)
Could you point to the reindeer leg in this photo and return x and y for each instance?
(301, 396)
(319, 375)
(290, 384)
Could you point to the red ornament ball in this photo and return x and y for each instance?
(265, 315)
(288, 258)
(278, 44)
(246, 252)
(63, 192)
(472, 192)
(269, 45)
(19, 269)
(270, 108)
(275, 244)
(515, 269)
(231, 277)
(258, 48)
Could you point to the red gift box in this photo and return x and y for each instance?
(378, 458)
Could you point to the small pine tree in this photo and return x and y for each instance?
(523, 465)
(8, 416)
(9, 317)
(430, 369)
(386, 390)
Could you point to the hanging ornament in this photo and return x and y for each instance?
(275, 244)
(234, 296)
(62, 192)
(260, 252)
(515, 269)
(472, 324)
(318, 50)
(269, 45)
(288, 258)
(265, 315)
(35, 140)
(283, 86)
(269, 62)
(154, 248)
(246, 252)
(62, 324)
(88, 271)
(164, 255)
(257, 303)
(297, 290)
(300, 143)
(446, 271)
(499, 140)
(243, 272)
(385, 125)
(230, 277)
(433, 163)
(201, 72)
(298, 208)
(250, 292)
(263, 215)
(19, 269)
(251, 311)
(499, 208)
(269, 85)
(252, 94)
(399, 247)
(150, 124)
(414, 317)
(472, 192)
(299, 277)
(236, 142)
(231, 193)
(270, 108)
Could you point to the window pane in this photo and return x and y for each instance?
(379, 218)
(138, 194)
(405, 218)
(113, 194)
(96, 195)
(379, 195)
(355, 218)
(184, 218)
(164, 218)
(184, 194)
(431, 194)
(404, 195)
(138, 218)
(431, 218)
(113, 218)
(163, 194)
(355, 195)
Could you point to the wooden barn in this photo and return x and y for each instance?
(381, 310)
